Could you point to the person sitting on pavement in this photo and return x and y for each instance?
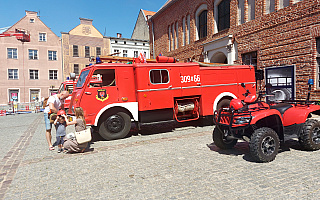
(53, 104)
(80, 124)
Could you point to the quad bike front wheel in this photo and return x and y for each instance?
(264, 144)
(220, 138)
(309, 137)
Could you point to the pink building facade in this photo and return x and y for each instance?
(30, 70)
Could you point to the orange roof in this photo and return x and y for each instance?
(146, 12)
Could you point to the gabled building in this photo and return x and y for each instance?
(141, 28)
(280, 36)
(29, 70)
(81, 43)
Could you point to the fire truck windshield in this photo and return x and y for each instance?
(82, 78)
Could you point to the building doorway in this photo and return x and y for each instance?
(219, 58)
(14, 95)
(34, 95)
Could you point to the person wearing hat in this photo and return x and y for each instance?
(60, 124)
(53, 105)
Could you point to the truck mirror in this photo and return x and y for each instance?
(259, 74)
(72, 76)
(243, 85)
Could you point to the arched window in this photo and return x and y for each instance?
(203, 24)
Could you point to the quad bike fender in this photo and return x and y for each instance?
(299, 114)
(257, 116)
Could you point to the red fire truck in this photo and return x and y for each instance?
(155, 92)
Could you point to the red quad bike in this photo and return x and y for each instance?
(264, 125)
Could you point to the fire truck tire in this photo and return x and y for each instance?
(310, 135)
(223, 103)
(264, 144)
(221, 141)
(115, 126)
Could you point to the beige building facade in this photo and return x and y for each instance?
(81, 43)
(30, 70)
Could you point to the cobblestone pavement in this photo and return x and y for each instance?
(161, 163)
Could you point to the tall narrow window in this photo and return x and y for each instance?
(76, 69)
(53, 74)
(135, 54)
(177, 35)
(98, 51)
(318, 62)
(203, 24)
(240, 12)
(251, 10)
(250, 59)
(12, 53)
(87, 51)
(173, 37)
(75, 51)
(169, 37)
(183, 31)
(270, 6)
(125, 53)
(224, 15)
(33, 54)
(188, 29)
(34, 74)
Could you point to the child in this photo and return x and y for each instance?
(80, 125)
(60, 124)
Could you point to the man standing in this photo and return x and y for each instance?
(53, 105)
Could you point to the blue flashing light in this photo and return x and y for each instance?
(310, 81)
(68, 78)
(90, 64)
(98, 60)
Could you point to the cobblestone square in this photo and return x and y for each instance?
(165, 161)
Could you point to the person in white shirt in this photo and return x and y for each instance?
(53, 105)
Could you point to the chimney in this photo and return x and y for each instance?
(85, 21)
(119, 35)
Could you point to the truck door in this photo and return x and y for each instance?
(100, 91)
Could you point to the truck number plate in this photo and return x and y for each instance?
(188, 79)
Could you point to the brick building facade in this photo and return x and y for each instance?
(279, 36)
(29, 70)
(80, 44)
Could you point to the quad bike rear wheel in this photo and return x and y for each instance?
(264, 144)
(309, 137)
(220, 139)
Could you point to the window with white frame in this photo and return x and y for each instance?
(116, 52)
(53, 74)
(52, 55)
(251, 10)
(33, 54)
(42, 37)
(31, 20)
(12, 53)
(270, 6)
(125, 53)
(240, 12)
(13, 74)
(173, 37)
(34, 74)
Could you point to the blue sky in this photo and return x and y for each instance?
(110, 17)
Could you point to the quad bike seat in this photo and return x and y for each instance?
(281, 107)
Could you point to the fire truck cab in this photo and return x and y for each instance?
(153, 92)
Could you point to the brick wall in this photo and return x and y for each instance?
(284, 37)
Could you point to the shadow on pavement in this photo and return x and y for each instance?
(242, 148)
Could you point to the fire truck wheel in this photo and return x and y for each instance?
(220, 139)
(264, 144)
(115, 126)
(223, 103)
(310, 135)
